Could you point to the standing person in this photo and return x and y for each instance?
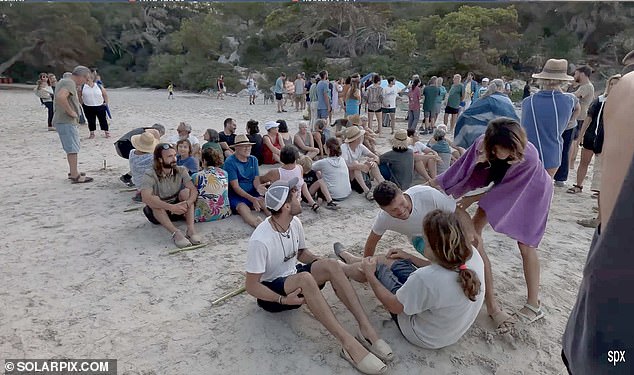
(521, 193)
(527, 90)
(484, 87)
(360, 161)
(289, 92)
(546, 114)
(561, 176)
(430, 92)
(45, 92)
(589, 131)
(455, 96)
(300, 98)
(442, 94)
(279, 92)
(220, 86)
(227, 136)
(389, 102)
(334, 170)
(323, 96)
(585, 93)
(413, 114)
(253, 133)
(52, 81)
(252, 89)
(353, 97)
(94, 100)
(471, 91)
(170, 91)
(312, 101)
(374, 95)
(280, 283)
(337, 88)
(169, 195)
(66, 119)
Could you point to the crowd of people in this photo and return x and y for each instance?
(507, 164)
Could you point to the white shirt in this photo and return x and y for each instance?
(173, 139)
(424, 200)
(418, 147)
(267, 249)
(91, 96)
(436, 312)
(351, 156)
(334, 171)
(389, 96)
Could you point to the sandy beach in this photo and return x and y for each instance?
(84, 279)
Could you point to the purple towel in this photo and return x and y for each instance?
(518, 206)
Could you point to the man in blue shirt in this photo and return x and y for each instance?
(279, 92)
(323, 96)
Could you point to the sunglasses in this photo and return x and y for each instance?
(291, 256)
(165, 146)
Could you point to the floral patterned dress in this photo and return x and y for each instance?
(213, 195)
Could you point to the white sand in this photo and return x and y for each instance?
(83, 279)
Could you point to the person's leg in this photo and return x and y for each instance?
(582, 171)
(245, 212)
(91, 118)
(358, 177)
(410, 119)
(454, 119)
(49, 109)
(375, 173)
(419, 167)
(329, 270)
(164, 220)
(562, 172)
(312, 154)
(446, 118)
(102, 117)
(183, 195)
(393, 120)
(551, 171)
(320, 309)
(321, 186)
(72, 164)
(530, 262)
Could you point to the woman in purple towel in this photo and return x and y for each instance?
(518, 200)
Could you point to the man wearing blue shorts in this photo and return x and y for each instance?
(66, 119)
(323, 96)
(245, 189)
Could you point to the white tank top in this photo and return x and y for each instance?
(288, 174)
(92, 96)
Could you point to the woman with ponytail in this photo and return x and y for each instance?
(434, 304)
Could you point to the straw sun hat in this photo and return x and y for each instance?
(242, 140)
(353, 133)
(144, 142)
(556, 69)
(400, 139)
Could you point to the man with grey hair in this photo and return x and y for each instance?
(66, 119)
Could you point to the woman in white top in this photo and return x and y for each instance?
(44, 91)
(360, 161)
(289, 169)
(334, 170)
(94, 100)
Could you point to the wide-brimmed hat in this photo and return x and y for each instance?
(242, 140)
(353, 133)
(400, 139)
(556, 69)
(354, 119)
(270, 125)
(144, 142)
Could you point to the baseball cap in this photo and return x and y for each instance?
(270, 125)
(485, 79)
(276, 196)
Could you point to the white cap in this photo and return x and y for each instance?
(485, 79)
(270, 125)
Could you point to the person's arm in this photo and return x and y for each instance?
(467, 225)
(255, 288)
(104, 94)
(389, 300)
(61, 98)
(370, 154)
(370, 244)
(306, 257)
(224, 145)
(467, 201)
(299, 143)
(193, 192)
(155, 202)
(327, 100)
(584, 127)
(267, 142)
(238, 190)
(306, 194)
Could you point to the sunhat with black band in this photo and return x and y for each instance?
(242, 140)
(556, 69)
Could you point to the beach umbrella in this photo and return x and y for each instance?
(399, 85)
(367, 77)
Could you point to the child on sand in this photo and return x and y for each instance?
(316, 186)
(184, 156)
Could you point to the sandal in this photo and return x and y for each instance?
(380, 348)
(184, 242)
(315, 207)
(81, 179)
(332, 205)
(575, 189)
(539, 314)
(370, 364)
(80, 173)
(195, 239)
(503, 321)
(369, 196)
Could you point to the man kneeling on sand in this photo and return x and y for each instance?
(280, 283)
(170, 195)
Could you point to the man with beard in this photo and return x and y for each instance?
(585, 94)
(227, 136)
(170, 195)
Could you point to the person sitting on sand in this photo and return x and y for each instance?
(442, 148)
(245, 189)
(334, 170)
(282, 274)
(360, 161)
(304, 141)
(253, 133)
(282, 130)
(521, 193)
(317, 187)
(123, 146)
(212, 139)
(430, 305)
(141, 157)
(185, 132)
(213, 188)
(397, 165)
(425, 159)
(320, 135)
(169, 195)
(272, 143)
(288, 170)
(227, 136)
(456, 151)
(403, 212)
(184, 156)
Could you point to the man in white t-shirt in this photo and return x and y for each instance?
(279, 283)
(360, 160)
(184, 131)
(403, 212)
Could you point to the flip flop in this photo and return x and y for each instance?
(503, 321)
(339, 248)
(370, 364)
(380, 348)
(81, 179)
(180, 243)
(539, 314)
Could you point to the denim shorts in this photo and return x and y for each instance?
(322, 113)
(395, 276)
(69, 135)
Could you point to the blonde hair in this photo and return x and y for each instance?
(305, 162)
